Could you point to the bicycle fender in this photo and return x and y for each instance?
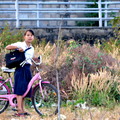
(47, 82)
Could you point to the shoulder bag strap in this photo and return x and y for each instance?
(27, 49)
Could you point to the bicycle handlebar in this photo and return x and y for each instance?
(40, 60)
(36, 63)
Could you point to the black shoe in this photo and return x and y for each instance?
(26, 113)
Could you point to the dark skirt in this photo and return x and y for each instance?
(22, 77)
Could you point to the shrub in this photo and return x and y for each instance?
(89, 59)
(113, 45)
(9, 36)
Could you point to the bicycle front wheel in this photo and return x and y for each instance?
(3, 91)
(45, 102)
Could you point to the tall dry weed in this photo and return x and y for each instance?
(101, 80)
(49, 53)
(79, 84)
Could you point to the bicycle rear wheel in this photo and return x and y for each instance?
(3, 103)
(46, 104)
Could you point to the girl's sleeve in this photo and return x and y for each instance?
(18, 44)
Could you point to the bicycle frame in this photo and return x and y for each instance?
(10, 81)
(10, 97)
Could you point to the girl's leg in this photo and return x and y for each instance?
(23, 105)
(25, 113)
(20, 104)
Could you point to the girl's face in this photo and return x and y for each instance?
(28, 37)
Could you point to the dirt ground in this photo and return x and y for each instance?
(76, 114)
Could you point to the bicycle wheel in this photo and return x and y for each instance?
(3, 103)
(46, 104)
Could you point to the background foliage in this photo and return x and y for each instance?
(86, 73)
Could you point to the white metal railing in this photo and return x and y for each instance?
(39, 9)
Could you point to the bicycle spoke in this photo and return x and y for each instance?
(3, 102)
(46, 103)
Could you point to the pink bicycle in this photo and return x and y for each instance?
(44, 95)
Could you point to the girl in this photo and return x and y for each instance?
(23, 75)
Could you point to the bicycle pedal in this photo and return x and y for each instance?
(14, 109)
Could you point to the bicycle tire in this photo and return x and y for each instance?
(48, 105)
(3, 103)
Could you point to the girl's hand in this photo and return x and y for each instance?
(20, 49)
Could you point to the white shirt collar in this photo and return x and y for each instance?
(26, 45)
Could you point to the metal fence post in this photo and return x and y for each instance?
(40, 14)
(17, 13)
(38, 25)
(105, 23)
(100, 13)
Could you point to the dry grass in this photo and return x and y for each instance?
(100, 80)
(49, 54)
(77, 114)
(103, 80)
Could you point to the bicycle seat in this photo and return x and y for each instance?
(7, 70)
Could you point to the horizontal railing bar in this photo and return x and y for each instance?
(8, 9)
(72, 27)
(65, 9)
(46, 9)
(6, 19)
(58, 11)
(68, 3)
(57, 19)
(62, 26)
(57, 3)
(68, 19)
(110, 8)
(8, 3)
